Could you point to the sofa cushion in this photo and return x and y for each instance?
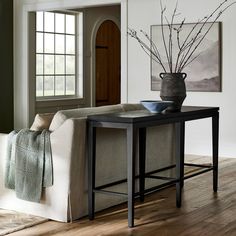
(132, 106)
(42, 121)
(63, 115)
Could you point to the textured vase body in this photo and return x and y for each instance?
(173, 89)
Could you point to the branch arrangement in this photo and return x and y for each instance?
(187, 47)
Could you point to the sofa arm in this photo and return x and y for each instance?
(3, 148)
(60, 201)
(55, 203)
(69, 156)
(3, 143)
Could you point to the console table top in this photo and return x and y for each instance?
(187, 113)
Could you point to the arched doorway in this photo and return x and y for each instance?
(108, 64)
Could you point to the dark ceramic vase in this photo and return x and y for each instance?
(173, 89)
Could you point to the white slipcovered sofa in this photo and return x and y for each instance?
(67, 199)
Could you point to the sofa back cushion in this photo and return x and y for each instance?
(63, 115)
(132, 106)
(42, 121)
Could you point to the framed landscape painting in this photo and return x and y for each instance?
(204, 73)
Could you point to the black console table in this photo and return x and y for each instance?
(135, 123)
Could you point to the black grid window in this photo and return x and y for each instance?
(55, 54)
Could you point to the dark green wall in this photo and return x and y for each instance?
(6, 65)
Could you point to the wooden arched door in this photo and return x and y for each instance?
(107, 64)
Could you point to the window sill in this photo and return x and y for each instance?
(58, 102)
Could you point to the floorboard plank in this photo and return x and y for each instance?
(202, 211)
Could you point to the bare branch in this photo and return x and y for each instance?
(211, 25)
(205, 21)
(147, 49)
(163, 34)
(187, 48)
(153, 45)
(170, 36)
(193, 59)
(181, 52)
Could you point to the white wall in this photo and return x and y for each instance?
(142, 14)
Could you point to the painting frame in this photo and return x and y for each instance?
(209, 63)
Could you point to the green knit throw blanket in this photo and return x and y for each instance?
(29, 163)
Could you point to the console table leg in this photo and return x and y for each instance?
(215, 144)
(131, 153)
(91, 169)
(179, 154)
(142, 161)
(182, 146)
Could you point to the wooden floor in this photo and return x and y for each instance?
(202, 212)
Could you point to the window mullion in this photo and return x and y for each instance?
(49, 76)
(76, 53)
(65, 61)
(54, 77)
(43, 53)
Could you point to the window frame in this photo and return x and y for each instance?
(79, 77)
